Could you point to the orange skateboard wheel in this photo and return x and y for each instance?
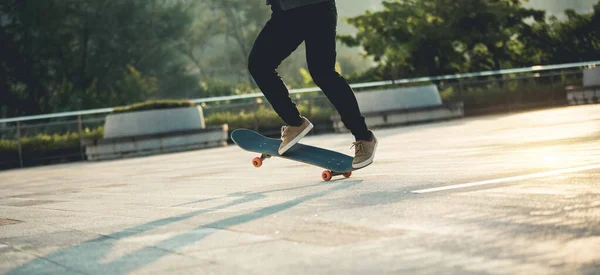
(257, 162)
(348, 174)
(326, 175)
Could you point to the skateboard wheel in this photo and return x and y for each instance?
(257, 162)
(348, 174)
(326, 175)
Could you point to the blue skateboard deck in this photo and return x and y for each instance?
(335, 163)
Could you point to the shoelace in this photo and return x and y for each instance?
(284, 131)
(360, 146)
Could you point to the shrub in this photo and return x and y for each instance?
(265, 117)
(44, 143)
(154, 105)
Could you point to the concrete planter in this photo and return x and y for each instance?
(124, 147)
(153, 132)
(398, 99)
(447, 111)
(583, 95)
(591, 77)
(154, 122)
(403, 106)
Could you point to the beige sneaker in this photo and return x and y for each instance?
(364, 152)
(290, 135)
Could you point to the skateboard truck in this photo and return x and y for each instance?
(326, 175)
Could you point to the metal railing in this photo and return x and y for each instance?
(542, 85)
(316, 89)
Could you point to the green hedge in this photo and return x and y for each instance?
(42, 148)
(45, 143)
(511, 94)
(154, 105)
(265, 117)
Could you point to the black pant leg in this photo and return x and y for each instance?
(278, 39)
(321, 57)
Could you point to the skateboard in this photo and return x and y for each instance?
(336, 164)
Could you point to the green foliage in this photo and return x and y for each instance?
(153, 105)
(43, 143)
(265, 118)
(133, 86)
(435, 37)
(575, 39)
(490, 96)
(69, 55)
(93, 133)
(307, 80)
(216, 88)
(60, 55)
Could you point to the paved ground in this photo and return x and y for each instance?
(516, 194)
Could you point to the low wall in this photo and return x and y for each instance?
(399, 98)
(408, 116)
(122, 147)
(401, 106)
(583, 95)
(591, 77)
(153, 122)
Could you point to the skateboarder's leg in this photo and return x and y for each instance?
(278, 39)
(321, 58)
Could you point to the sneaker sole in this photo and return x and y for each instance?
(368, 161)
(296, 139)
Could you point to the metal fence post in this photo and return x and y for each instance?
(460, 91)
(553, 95)
(80, 126)
(506, 87)
(20, 145)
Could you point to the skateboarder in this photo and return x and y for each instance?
(313, 22)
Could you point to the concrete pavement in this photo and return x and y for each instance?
(508, 194)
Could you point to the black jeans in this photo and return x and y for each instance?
(316, 26)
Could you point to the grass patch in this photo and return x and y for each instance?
(153, 105)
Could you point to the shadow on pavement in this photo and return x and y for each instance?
(91, 255)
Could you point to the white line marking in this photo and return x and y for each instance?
(509, 179)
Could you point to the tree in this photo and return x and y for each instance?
(69, 54)
(575, 39)
(200, 37)
(434, 37)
